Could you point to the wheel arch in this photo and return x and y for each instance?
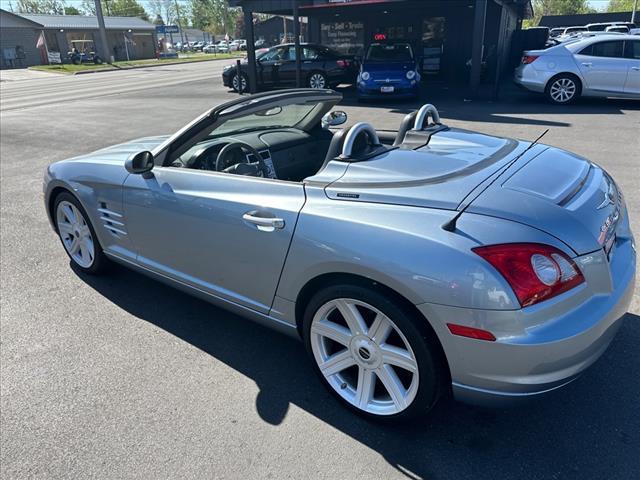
(315, 284)
(579, 83)
(51, 201)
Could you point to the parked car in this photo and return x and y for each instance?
(617, 29)
(210, 48)
(600, 66)
(237, 45)
(556, 32)
(389, 69)
(261, 43)
(601, 27)
(197, 46)
(411, 263)
(222, 46)
(322, 67)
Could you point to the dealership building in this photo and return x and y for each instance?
(459, 41)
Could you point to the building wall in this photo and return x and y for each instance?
(23, 37)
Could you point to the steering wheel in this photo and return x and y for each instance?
(255, 169)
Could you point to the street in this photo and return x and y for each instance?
(120, 376)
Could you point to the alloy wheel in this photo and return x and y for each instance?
(364, 356)
(75, 234)
(563, 90)
(239, 81)
(317, 81)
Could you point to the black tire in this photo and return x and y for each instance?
(100, 261)
(244, 82)
(97, 60)
(318, 80)
(431, 370)
(76, 61)
(563, 89)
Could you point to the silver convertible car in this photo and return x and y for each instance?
(412, 263)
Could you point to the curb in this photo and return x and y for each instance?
(112, 69)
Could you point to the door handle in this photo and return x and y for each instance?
(265, 224)
(587, 64)
(637, 69)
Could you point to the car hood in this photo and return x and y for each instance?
(120, 152)
(547, 188)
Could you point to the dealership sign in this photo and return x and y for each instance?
(167, 29)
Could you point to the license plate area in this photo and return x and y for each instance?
(387, 89)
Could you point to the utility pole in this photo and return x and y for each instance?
(106, 53)
(633, 14)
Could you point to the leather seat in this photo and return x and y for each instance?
(405, 126)
(335, 147)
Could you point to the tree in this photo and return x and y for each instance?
(50, 7)
(116, 8)
(620, 6)
(214, 16)
(158, 20)
(71, 10)
(557, 7)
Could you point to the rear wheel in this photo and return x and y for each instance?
(563, 89)
(371, 353)
(77, 234)
(317, 80)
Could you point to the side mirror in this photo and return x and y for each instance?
(333, 119)
(141, 162)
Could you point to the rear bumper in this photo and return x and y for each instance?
(567, 334)
(534, 80)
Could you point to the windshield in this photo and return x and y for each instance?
(275, 117)
(389, 52)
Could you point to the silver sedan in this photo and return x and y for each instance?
(598, 66)
(411, 263)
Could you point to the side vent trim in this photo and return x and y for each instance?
(112, 221)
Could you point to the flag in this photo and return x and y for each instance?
(41, 45)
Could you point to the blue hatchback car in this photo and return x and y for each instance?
(389, 69)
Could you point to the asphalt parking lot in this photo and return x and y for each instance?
(123, 377)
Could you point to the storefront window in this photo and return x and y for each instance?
(345, 37)
(433, 31)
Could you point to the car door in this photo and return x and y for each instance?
(603, 66)
(632, 54)
(269, 65)
(227, 235)
(287, 68)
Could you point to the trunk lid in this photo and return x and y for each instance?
(560, 193)
(547, 188)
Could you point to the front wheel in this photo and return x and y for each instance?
(372, 353)
(238, 83)
(77, 235)
(97, 60)
(563, 89)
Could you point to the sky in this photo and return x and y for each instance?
(597, 4)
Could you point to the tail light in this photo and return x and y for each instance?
(527, 59)
(534, 271)
(343, 63)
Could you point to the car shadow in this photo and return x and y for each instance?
(513, 106)
(585, 430)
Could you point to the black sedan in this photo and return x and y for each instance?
(322, 67)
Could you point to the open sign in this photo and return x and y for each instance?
(380, 36)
